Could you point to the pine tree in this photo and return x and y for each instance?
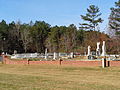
(92, 17)
(114, 19)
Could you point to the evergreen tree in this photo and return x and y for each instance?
(3, 35)
(53, 39)
(39, 33)
(114, 24)
(114, 19)
(92, 17)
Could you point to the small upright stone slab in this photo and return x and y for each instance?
(46, 56)
(89, 53)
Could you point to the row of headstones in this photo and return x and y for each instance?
(98, 49)
(26, 55)
(42, 55)
(56, 55)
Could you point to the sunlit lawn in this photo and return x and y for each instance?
(46, 77)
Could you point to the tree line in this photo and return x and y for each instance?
(38, 35)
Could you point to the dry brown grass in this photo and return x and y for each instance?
(46, 77)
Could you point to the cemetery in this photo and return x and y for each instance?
(97, 58)
(59, 45)
(98, 55)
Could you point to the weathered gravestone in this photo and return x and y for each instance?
(89, 53)
(46, 55)
(98, 49)
(103, 49)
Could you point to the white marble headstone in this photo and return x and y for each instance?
(98, 49)
(72, 55)
(89, 50)
(55, 55)
(103, 49)
(46, 53)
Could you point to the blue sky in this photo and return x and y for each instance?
(54, 12)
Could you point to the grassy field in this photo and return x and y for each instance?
(46, 77)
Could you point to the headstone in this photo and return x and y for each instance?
(85, 54)
(6, 53)
(98, 49)
(55, 56)
(103, 49)
(3, 53)
(89, 50)
(72, 55)
(60, 54)
(46, 56)
(15, 51)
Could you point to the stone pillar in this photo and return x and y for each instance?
(3, 53)
(103, 62)
(89, 53)
(46, 56)
(15, 52)
(98, 49)
(59, 54)
(85, 54)
(72, 55)
(55, 56)
(103, 49)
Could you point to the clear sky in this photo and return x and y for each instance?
(54, 12)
